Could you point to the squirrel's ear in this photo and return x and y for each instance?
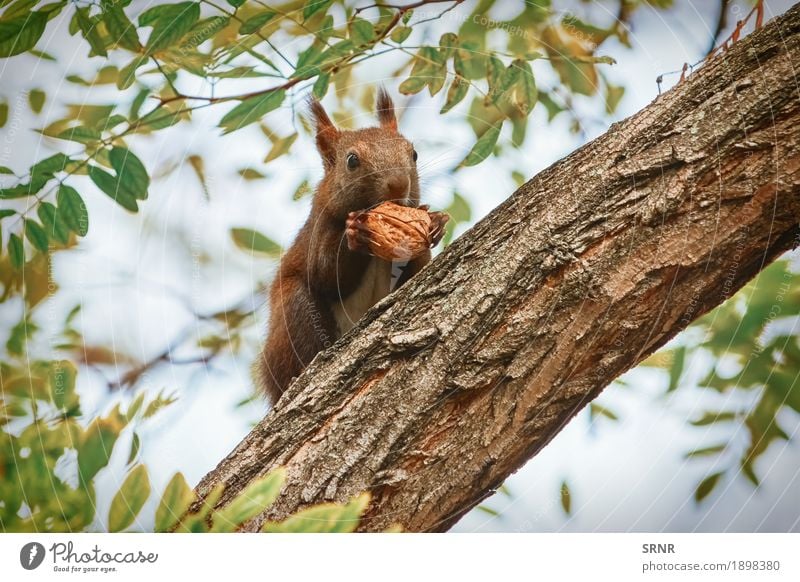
(327, 134)
(385, 109)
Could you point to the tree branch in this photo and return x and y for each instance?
(454, 381)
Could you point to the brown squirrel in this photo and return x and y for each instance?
(326, 280)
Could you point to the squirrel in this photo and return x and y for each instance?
(327, 280)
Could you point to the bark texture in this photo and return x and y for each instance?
(449, 385)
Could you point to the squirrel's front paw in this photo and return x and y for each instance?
(438, 222)
(357, 234)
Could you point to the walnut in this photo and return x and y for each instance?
(395, 233)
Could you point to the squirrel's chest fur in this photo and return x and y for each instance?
(375, 284)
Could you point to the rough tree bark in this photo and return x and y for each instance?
(452, 383)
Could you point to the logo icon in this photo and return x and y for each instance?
(31, 555)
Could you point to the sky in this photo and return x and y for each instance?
(135, 276)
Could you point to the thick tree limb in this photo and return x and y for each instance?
(450, 384)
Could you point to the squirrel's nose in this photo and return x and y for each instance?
(398, 186)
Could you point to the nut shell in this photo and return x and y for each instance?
(398, 232)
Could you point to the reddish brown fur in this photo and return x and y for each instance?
(319, 271)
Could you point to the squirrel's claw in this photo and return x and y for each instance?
(357, 234)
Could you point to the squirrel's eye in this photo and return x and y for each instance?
(414, 156)
(352, 161)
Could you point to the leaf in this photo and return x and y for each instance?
(136, 444)
(88, 27)
(705, 451)
(313, 6)
(251, 174)
(130, 498)
(613, 97)
(484, 146)
(566, 498)
(128, 73)
(95, 447)
(251, 110)
(3, 113)
(321, 85)
(676, 368)
(255, 498)
(36, 235)
(36, 99)
(254, 23)
(706, 486)
(598, 410)
(523, 93)
(255, 242)
(72, 210)
(21, 34)
(361, 31)
(280, 146)
(400, 34)
(131, 172)
(121, 30)
(457, 91)
(15, 252)
(53, 222)
(113, 188)
(170, 23)
(712, 417)
(177, 498)
(236, 3)
(323, 518)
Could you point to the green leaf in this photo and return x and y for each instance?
(136, 444)
(53, 222)
(36, 99)
(251, 110)
(170, 23)
(21, 34)
(706, 486)
(613, 97)
(15, 252)
(255, 242)
(566, 498)
(61, 377)
(598, 410)
(50, 166)
(121, 30)
(128, 73)
(323, 518)
(484, 146)
(255, 498)
(524, 93)
(412, 85)
(112, 187)
(95, 447)
(177, 498)
(676, 368)
(131, 172)
(361, 31)
(457, 91)
(129, 500)
(313, 6)
(321, 85)
(705, 451)
(280, 147)
(36, 235)
(400, 34)
(236, 3)
(255, 22)
(712, 417)
(72, 210)
(88, 27)
(3, 113)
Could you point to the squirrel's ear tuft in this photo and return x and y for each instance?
(327, 134)
(385, 109)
